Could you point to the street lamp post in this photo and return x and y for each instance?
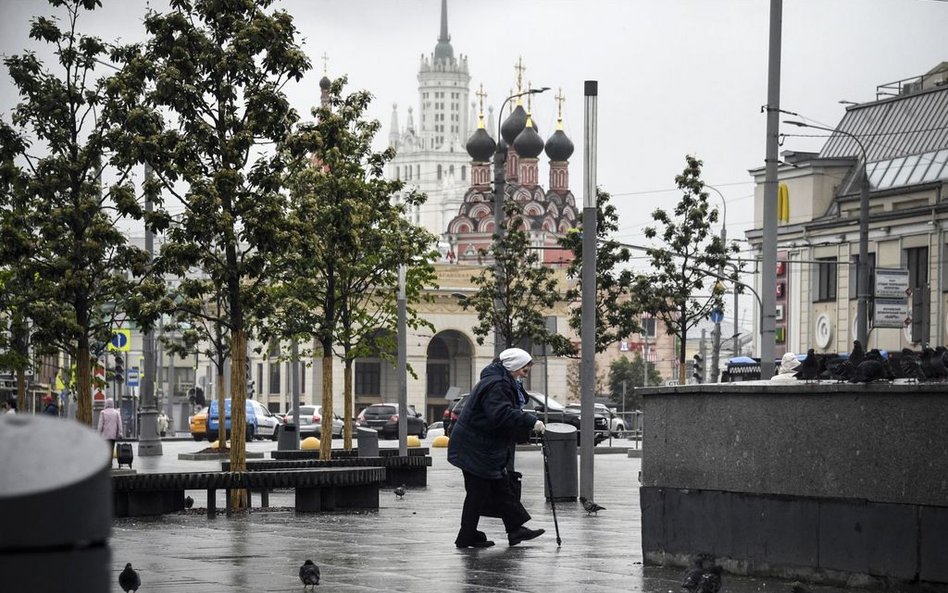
(716, 335)
(862, 305)
(500, 157)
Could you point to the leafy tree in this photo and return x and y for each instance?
(72, 267)
(514, 304)
(625, 375)
(218, 70)
(350, 237)
(686, 263)
(617, 308)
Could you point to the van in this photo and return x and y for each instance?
(213, 420)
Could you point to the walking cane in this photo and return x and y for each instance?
(549, 486)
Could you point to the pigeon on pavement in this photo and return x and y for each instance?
(309, 574)
(693, 574)
(809, 369)
(188, 502)
(129, 579)
(400, 491)
(590, 506)
(868, 371)
(710, 581)
(933, 365)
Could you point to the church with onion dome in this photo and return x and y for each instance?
(547, 214)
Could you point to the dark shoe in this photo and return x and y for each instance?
(480, 543)
(522, 534)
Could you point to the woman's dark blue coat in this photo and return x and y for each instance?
(489, 425)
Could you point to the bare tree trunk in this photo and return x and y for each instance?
(347, 416)
(325, 439)
(238, 414)
(221, 396)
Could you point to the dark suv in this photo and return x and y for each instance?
(384, 419)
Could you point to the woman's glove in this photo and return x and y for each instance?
(539, 427)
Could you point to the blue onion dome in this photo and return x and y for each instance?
(558, 146)
(528, 143)
(514, 124)
(324, 83)
(480, 145)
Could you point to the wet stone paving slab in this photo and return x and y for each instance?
(407, 545)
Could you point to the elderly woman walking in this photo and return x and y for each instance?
(110, 424)
(481, 444)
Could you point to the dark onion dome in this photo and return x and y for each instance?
(559, 147)
(528, 144)
(514, 124)
(481, 146)
(324, 83)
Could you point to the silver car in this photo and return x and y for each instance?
(311, 420)
(268, 424)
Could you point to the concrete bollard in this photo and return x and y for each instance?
(368, 441)
(56, 496)
(562, 462)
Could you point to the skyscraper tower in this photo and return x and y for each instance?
(431, 157)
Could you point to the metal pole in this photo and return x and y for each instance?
(402, 366)
(768, 276)
(149, 443)
(588, 329)
(716, 334)
(295, 397)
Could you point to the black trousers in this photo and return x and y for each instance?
(489, 497)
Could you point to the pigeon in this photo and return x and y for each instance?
(309, 574)
(868, 371)
(590, 506)
(843, 370)
(400, 491)
(809, 369)
(797, 587)
(129, 579)
(858, 354)
(911, 365)
(694, 573)
(710, 581)
(188, 502)
(933, 365)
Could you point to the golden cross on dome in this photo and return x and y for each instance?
(529, 98)
(560, 98)
(480, 97)
(325, 63)
(519, 68)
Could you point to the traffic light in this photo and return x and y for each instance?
(119, 370)
(698, 369)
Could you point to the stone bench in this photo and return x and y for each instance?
(410, 470)
(317, 489)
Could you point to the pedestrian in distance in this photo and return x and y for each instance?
(162, 423)
(9, 407)
(481, 443)
(50, 406)
(110, 425)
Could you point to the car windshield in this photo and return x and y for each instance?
(551, 403)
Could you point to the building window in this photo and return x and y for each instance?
(274, 385)
(825, 279)
(854, 275)
(439, 172)
(916, 260)
(368, 378)
(463, 172)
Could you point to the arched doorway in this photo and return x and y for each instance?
(450, 364)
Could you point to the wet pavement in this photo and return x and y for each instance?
(407, 545)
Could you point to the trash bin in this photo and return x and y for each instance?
(286, 439)
(561, 462)
(48, 466)
(368, 440)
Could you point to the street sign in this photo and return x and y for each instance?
(717, 315)
(133, 376)
(121, 340)
(891, 283)
(891, 313)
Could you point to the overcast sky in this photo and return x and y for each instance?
(675, 77)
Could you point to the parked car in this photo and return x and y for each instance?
(213, 420)
(435, 429)
(616, 424)
(549, 410)
(384, 419)
(452, 413)
(198, 425)
(268, 424)
(311, 423)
